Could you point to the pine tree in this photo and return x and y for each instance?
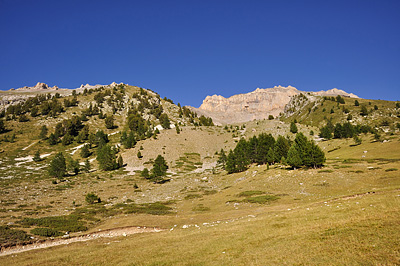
(242, 158)
(58, 166)
(356, 103)
(73, 165)
(2, 126)
(314, 156)
(364, 111)
(85, 152)
(357, 140)
(265, 142)
(67, 139)
(164, 121)
(270, 156)
(281, 148)
(139, 155)
(106, 158)
(230, 166)
(294, 157)
(145, 173)
(160, 168)
(293, 127)
(120, 162)
(52, 139)
(177, 129)
(36, 157)
(43, 132)
(59, 130)
(86, 166)
(302, 144)
(222, 158)
(109, 121)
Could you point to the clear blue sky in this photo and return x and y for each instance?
(186, 50)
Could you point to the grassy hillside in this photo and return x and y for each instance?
(316, 110)
(346, 213)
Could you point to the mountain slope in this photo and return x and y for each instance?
(256, 105)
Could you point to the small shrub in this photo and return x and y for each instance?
(200, 208)
(391, 169)
(192, 196)
(325, 171)
(261, 199)
(9, 236)
(47, 232)
(92, 198)
(250, 193)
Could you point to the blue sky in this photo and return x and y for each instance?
(186, 50)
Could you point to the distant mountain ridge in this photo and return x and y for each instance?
(258, 104)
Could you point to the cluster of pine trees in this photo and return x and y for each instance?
(264, 149)
(345, 130)
(158, 171)
(338, 99)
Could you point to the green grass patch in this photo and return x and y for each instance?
(156, 208)
(391, 169)
(263, 199)
(9, 236)
(69, 223)
(192, 196)
(46, 232)
(210, 192)
(326, 171)
(250, 193)
(200, 208)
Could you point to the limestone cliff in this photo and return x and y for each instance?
(255, 105)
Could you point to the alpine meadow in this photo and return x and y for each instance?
(118, 170)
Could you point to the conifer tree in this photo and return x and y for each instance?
(222, 158)
(293, 127)
(106, 158)
(294, 157)
(58, 167)
(160, 168)
(36, 157)
(86, 166)
(43, 132)
(242, 158)
(145, 173)
(164, 121)
(85, 152)
(281, 148)
(120, 162)
(315, 157)
(109, 121)
(52, 139)
(2, 126)
(270, 156)
(230, 166)
(73, 165)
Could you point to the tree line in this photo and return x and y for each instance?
(264, 149)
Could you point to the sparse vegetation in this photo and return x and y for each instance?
(206, 206)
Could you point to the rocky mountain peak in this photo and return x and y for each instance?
(38, 87)
(258, 104)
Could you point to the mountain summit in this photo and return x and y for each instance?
(258, 104)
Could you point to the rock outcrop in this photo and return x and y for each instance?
(38, 87)
(255, 105)
(335, 92)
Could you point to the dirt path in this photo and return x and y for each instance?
(106, 233)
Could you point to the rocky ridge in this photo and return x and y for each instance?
(39, 86)
(255, 105)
